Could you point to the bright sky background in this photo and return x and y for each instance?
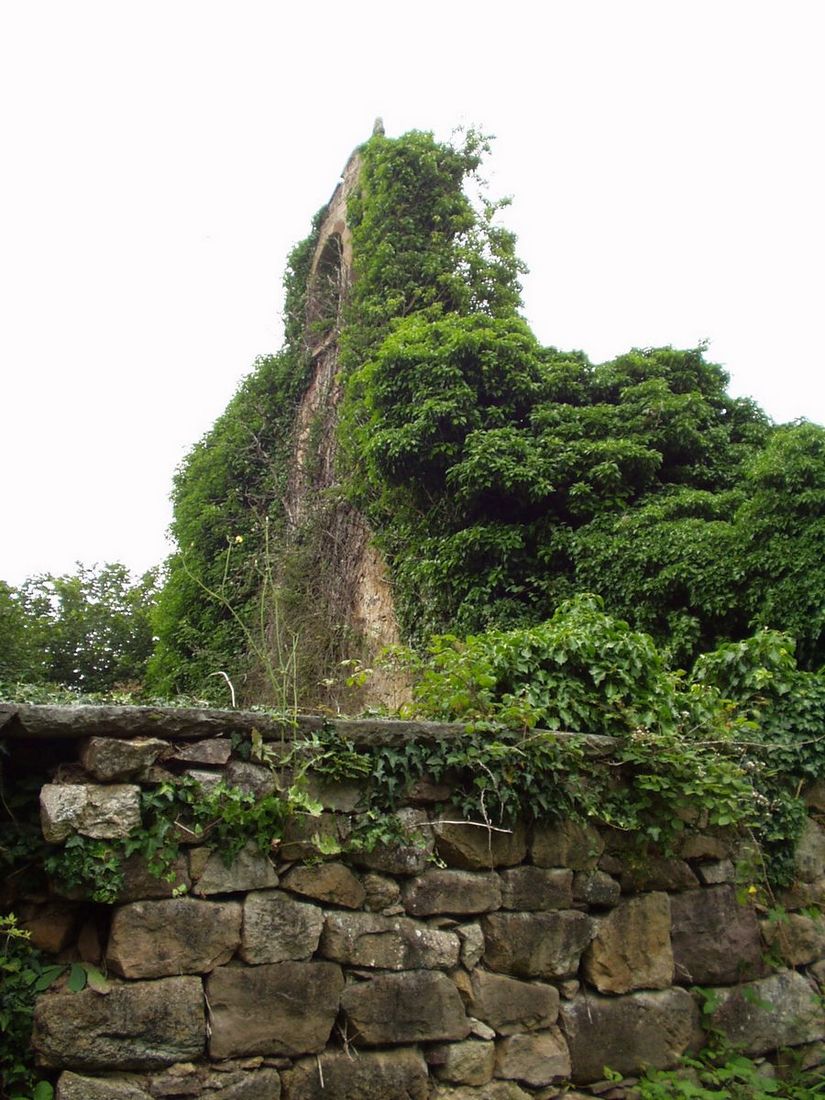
(161, 157)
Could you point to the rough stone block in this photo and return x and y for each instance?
(809, 857)
(657, 873)
(382, 893)
(75, 1086)
(716, 872)
(276, 927)
(535, 1059)
(470, 1062)
(472, 944)
(379, 1075)
(300, 999)
(402, 859)
(109, 758)
(536, 945)
(508, 1005)
(416, 1006)
(472, 847)
(569, 844)
(494, 1090)
(105, 813)
(782, 1010)
(388, 943)
(51, 925)
(331, 883)
(342, 796)
(137, 1025)
(447, 891)
(700, 846)
(716, 940)
(139, 883)
(307, 836)
(250, 870)
(631, 947)
(535, 888)
(596, 888)
(214, 751)
(155, 939)
(252, 779)
(628, 1033)
(798, 940)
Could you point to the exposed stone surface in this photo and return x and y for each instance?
(51, 925)
(109, 758)
(75, 1086)
(715, 939)
(631, 947)
(495, 1090)
(648, 1028)
(568, 844)
(382, 892)
(507, 1004)
(778, 1011)
(312, 837)
(469, 1062)
(535, 1059)
(809, 858)
(331, 883)
(801, 895)
(700, 846)
(388, 943)
(100, 812)
(418, 1006)
(377, 1075)
(215, 751)
(536, 945)
(472, 944)
(658, 873)
(448, 891)
(534, 888)
(596, 888)
(250, 870)
(140, 883)
(799, 939)
(253, 779)
(137, 1025)
(404, 859)
(716, 872)
(155, 939)
(342, 796)
(276, 927)
(473, 847)
(301, 1000)
(814, 796)
(426, 790)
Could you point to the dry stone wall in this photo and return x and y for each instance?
(460, 964)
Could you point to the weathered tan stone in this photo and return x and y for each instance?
(311, 836)
(534, 888)
(75, 1086)
(631, 947)
(342, 796)
(469, 1062)
(276, 927)
(494, 1090)
(139, 883)
(231, 1080)
(802, 895)
(701, 846)
(51, 925)
(657, 873)
(448, 891)
(536, 1059)
(402, 859)
(781, 1010)
(809, 857)
(425, 791)
(472, 944)
(332, 883)
(506, 1004)
(388, 943)
(798, 939)
(629, 1032)
(472, 847)
(596, 888)
(382, 892)
(568, 844)
(101, 812)
(214, 751)
(155, 939)
(252, 779)
(137, 1025)
(108, 758)
(416, 1006)
(814, 796)
(536, 945)
(369, 1075)
(250, 870)
(715, 940)
(716, 872)
(301, 1000)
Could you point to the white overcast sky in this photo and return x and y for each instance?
(160, 157)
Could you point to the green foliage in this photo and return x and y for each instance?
(23, 974)
(714, 1075)
(87, 631)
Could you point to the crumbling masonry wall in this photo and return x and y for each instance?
(460, 963)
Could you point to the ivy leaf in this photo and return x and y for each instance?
(77, 978)
(48, 975)
(43, 1091)
(96, 981)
